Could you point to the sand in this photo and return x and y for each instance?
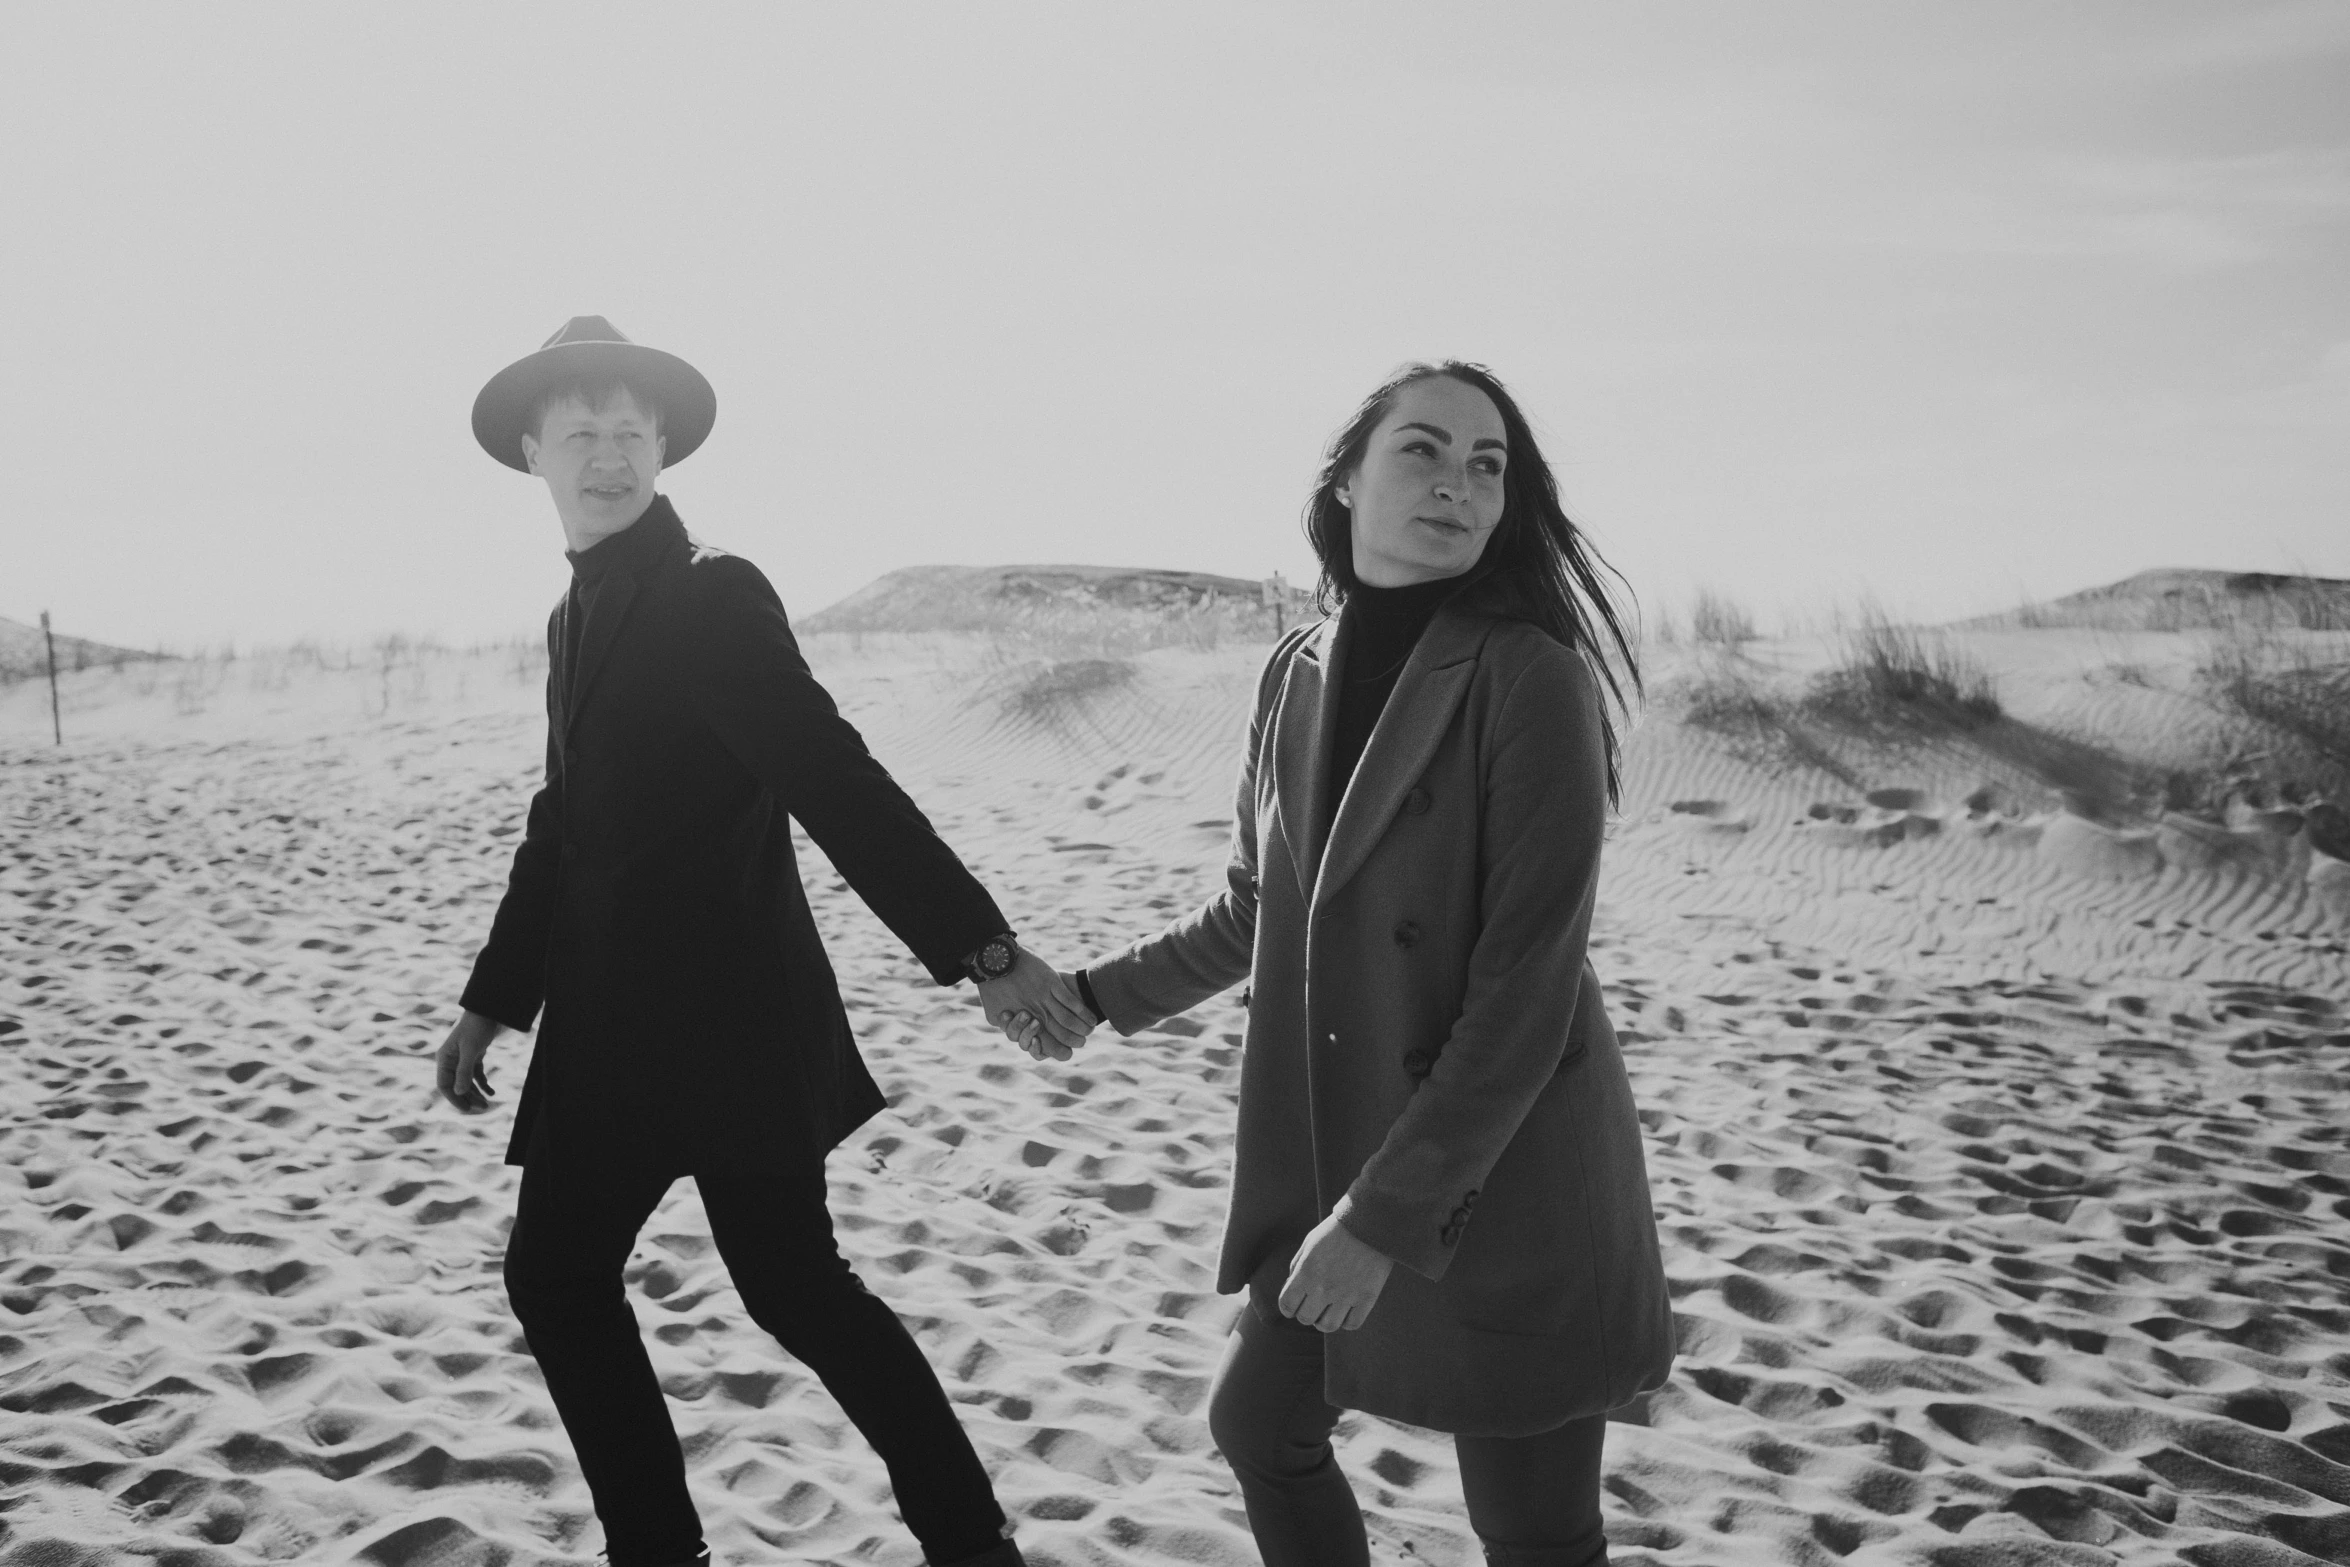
(2000, 1155)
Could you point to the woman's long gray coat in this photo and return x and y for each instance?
(1427, 1051)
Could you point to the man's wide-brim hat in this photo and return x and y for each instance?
(590, 349)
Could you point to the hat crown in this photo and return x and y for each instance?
(584, 329)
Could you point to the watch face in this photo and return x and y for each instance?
(996, 958)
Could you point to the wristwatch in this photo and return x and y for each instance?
(993, 959)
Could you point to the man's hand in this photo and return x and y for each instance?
(1019, 1005)
(1335, 1279)
(464, 1078)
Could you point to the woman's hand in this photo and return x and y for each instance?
(1335, 1280)
(1065, 1022)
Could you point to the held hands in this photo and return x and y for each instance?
(1066, 1019)
(1038, 1009)
(1335, 1279)
(464, 1078)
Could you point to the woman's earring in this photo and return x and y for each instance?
(1343, 499)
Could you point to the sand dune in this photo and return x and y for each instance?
(964, 598)
(2172, 599)
(2001, 1155)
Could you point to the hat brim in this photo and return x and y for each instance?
(502, 413)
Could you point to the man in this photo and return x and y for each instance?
(692, 1025)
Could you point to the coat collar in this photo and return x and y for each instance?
(1427, 694)
(607, 573)
(634, 547)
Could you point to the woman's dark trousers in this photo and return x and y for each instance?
(1533, 1500)
(575, 1225)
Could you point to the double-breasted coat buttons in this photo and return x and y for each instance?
(1407, 934)
(1417, 802)
(1417, 1064)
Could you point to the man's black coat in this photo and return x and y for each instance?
(655, 906)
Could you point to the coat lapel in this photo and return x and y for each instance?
(613, 597)
(1304, 736)
(653, 538)
(1412, 725)
(560, 658)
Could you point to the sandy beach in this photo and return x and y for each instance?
(2001, 1152)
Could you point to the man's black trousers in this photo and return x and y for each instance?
(575, 1226)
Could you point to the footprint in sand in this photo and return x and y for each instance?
(1890, 816)
(1712, 815)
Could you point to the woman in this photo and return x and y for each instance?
(1439, 1207)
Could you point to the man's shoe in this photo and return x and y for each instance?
(1002, 1554)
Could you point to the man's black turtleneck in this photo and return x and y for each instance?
(636, 545)
(1383, 626)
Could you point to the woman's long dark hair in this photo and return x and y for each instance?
(1537, 566)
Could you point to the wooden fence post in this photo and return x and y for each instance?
(56, 724)
(1276, 593)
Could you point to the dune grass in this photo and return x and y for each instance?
(1766, 728)
(1714, 621)
(1893, 688)
(1890, 689)
(2291, 696)
(1719, 621)
(1902, 676)
(392, 671)
(1057, 691)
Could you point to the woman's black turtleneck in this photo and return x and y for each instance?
(1383, 626)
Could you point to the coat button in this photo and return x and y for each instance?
(1417, 1064)
(1449, 1233)
(1407, 934)
(1244, 995)
(1470, 1201)
(1418, 801)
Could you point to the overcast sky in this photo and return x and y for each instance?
(1953, 304)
